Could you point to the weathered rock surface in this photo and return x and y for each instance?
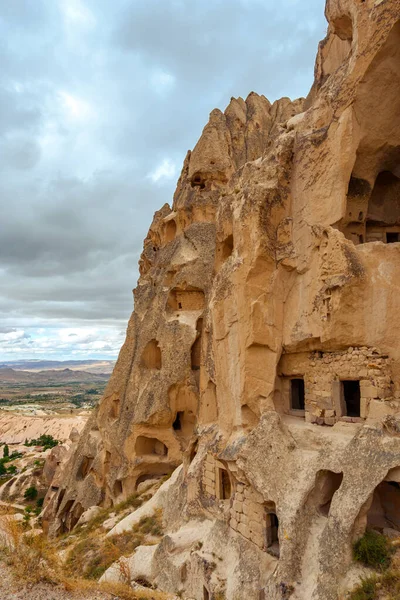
(263, 350)
(16, 428)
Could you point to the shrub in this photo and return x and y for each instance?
(371, 588)
(31, 493)
(15, 455)
(373, 550)
(47, 441)
(366, 590)
(6, 451)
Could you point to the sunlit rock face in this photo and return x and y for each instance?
(263, 349)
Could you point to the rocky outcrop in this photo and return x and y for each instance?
(16, 428)
(262, 352)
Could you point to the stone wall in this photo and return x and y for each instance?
(247, 510)
(209, 475)
(247, 514)
(323, 373)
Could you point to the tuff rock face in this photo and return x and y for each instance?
(263, 351)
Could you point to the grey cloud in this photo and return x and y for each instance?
(84, 120)
(19, 152)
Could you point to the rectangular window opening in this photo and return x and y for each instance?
(392, 237)
(351, 397)
(297, 394)
(225, 489)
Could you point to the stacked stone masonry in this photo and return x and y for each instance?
(209, 476)
(324, 371)
(247, 508)
(247, 514)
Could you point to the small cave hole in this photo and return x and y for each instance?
(343, 27)
(195, 355)
(169, 231)
(227, 247)
(177, 424)
(327, 484)
(384, 209)
(384, 512)
(150, 446)
(84, 467)
(117, 489)
(198, 181)
(271, 530)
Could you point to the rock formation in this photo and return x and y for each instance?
(263, 350)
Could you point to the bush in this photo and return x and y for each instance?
(47, 441)
(373, 550)
(6, 451)
(31, 493)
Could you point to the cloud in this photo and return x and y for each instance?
(165, 170)
(99, 103)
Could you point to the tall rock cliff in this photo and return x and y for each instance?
(263, 352)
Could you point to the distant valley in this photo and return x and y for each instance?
(48, 387)
(94, 366)
(7, 374)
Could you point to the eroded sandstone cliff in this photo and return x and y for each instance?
(263, 353)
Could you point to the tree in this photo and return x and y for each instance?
(6, 451)
(31, 493)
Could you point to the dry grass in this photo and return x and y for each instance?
(30, 555)
(121, 590)
(133, 502)
(92, 556)
(150, 525)
(33, 559)
(380, 586)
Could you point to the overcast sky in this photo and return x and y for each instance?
(99, 102)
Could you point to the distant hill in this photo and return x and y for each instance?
(94, 366)
(9, 375)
